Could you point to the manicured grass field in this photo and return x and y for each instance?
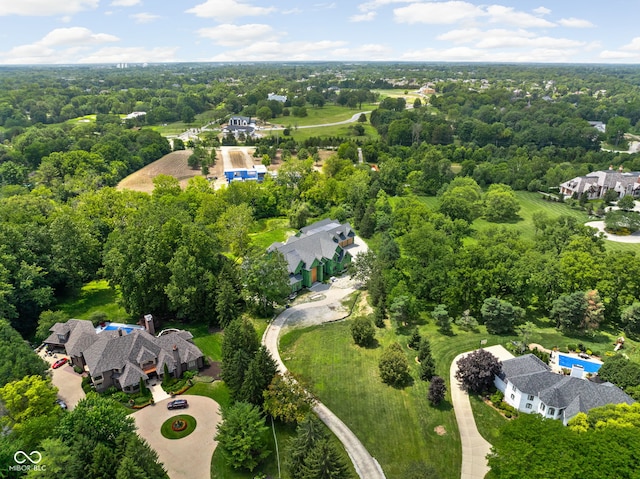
(399, 92)
(302, 134)
(267, 231)
(395, 425)
(488, 420)
(320, 116)
(96, 296)
(531, 203)
(169, 433)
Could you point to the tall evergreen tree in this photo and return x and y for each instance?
(427, 363)
(259, 375)
(324, 462)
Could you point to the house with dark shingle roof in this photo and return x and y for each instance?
(597, 183)
(114, 358)
(529, 385)
(316, 253)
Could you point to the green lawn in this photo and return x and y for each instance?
(302, 134)
(396, 425)
(488, 420)
(169, 433)
(529, 204)
(320, 116)
(96, 296)
(267, 231)
(410, 96)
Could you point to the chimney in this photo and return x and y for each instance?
(149, 325)
(620, 169)
(119, 331)
(610, 167)
(577, 371)
(176, 358)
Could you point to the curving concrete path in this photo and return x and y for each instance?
(474, 447)
(189, 457)
(366, 466)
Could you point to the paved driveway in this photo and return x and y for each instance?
(68, 382)
(474, 446)
(189, 457)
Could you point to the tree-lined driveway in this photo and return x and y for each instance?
(326, 305)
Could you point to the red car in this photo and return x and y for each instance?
(60, 362)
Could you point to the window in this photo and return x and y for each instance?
(97, 378)
(512, 396)
(528, 406)
(513, 387)
(530, 397)
(543, 407)
(192, 364)
(552, 411)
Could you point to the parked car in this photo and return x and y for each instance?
(60, 362)
(178, 404)
(61, 403)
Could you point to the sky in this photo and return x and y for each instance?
(160, 31)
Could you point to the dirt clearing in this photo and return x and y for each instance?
(174, 164)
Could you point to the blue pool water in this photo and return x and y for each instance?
(568, 361)
(127, 328)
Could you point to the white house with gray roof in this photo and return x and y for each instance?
(529, 386)
(597, 183)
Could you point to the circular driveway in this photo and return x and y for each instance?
(189, 457)
(599, 225)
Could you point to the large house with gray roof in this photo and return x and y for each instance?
(597, 183)
(114, 358)
(529, 385)
(316, 253)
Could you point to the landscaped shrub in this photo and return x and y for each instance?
(497, 398)
(542, 355)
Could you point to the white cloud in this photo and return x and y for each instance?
(274, 51)
(502, 38)
(66, 19)
(75, 36)
(42, 8)
(575, 23)
(291, 11)
(131, 55)
(324, 6)
(375, 4)
(542, 11)
(125, 3)
(364, 17)
(508, 15)
(617, 55)
(58, 46)
(370, 51)
(144, 17)
(634, 44)
(437, 13)
(227, 10)
(543, 55)
(235, 35)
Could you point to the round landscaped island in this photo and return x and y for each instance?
(177, 427)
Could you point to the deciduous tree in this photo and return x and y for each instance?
(393, 366)
(477, 370)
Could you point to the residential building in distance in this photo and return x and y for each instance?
(255, 173)
(240, 124)
(529, 385)
(597, 183)
(316, 253)
(280, 98)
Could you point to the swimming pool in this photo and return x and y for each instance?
(565, 361)
(127, 328)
